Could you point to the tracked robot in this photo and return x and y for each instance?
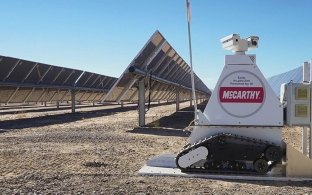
(240, 130)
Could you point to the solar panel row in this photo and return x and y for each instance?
(163, 71)
(26, 81)
(276, 81)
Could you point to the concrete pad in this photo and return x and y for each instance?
(175, 172)
(164, 165)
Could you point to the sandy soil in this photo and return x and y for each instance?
(99, 150)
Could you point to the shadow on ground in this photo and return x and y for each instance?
(276, 183)
(40, 108)
(18, 109)
(175, 124)
(67, 117)
(161, 131)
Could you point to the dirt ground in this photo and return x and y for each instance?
(99, 150)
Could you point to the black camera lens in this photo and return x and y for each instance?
(254, 43)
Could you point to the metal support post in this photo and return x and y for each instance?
(73, 101)
(177, 99)
(191, 99)
(45, 104)
(310, 149)
(12, 95)
(141, 103)
(310, 140)
(122, 103)
(304, 144)
(57, 101)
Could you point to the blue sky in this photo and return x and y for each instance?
(103, 36)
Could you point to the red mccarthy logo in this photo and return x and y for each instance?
(241, 94)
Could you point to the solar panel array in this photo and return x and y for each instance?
(294, 75)
(26, 81)
(164, 72)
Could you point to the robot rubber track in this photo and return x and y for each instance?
(231, 154)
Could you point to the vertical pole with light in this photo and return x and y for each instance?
(310, 141)
(188, 9)
(306, 79)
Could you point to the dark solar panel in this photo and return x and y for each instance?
(110, 83)
(6, 65)
(63, 77)
(70, 81)
(52, 74)
(84, 78)
(37, 73)
(20, 71)
(27, 81)
(91, 83)
(139, 61)
(154, 62)
(101, 83)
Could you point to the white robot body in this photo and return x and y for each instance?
(240, 131)
(242, 102)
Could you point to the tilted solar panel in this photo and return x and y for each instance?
(276, 81)
(162, 69)
(26, 81)
(70, 81)
(52, 74)
(7, 65)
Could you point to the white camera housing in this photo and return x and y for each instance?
(253, 41)
(234, 43)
